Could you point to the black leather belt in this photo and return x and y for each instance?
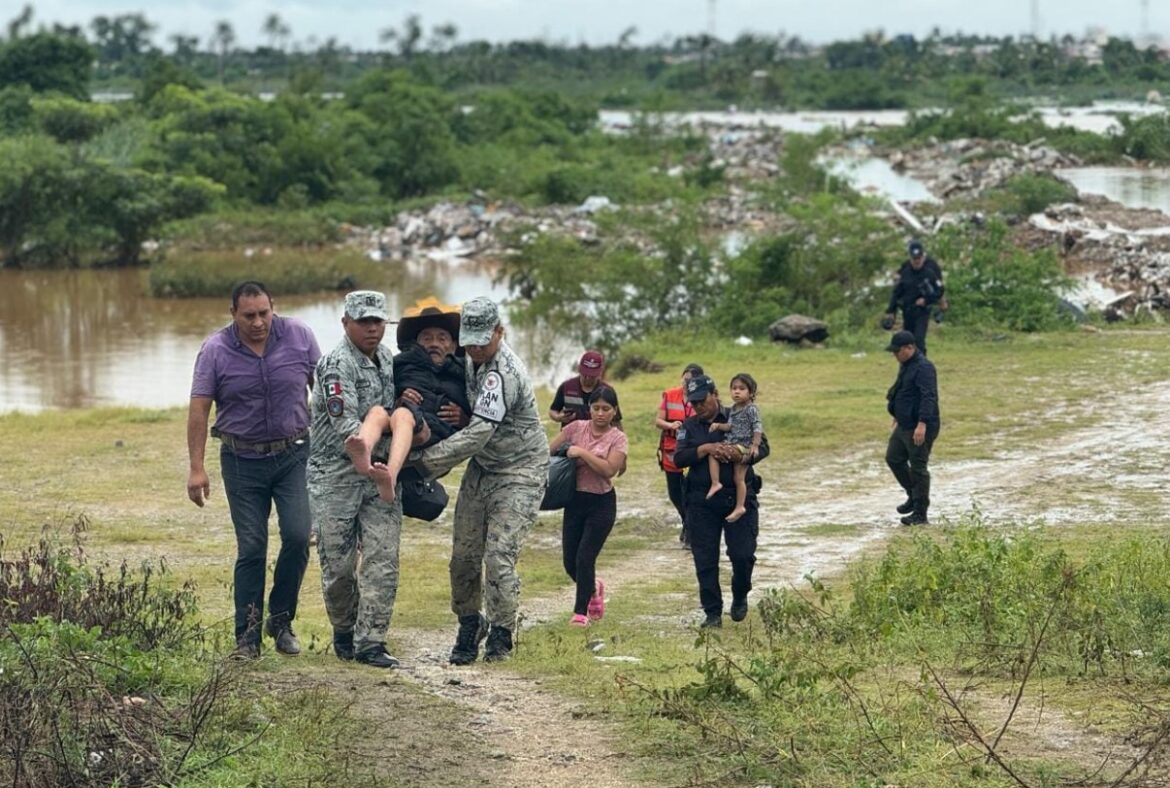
(272, 447)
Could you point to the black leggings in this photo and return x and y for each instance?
(588, 520)
(674, 489)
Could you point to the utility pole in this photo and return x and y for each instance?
(711, 19)
(1146, 23)
(1035, 20)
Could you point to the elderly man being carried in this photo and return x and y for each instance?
(432, 395)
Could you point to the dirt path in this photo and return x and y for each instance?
(536, 737)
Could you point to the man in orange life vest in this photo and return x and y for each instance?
(571, 400)
(671, 413)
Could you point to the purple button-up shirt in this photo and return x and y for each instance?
(258, 399)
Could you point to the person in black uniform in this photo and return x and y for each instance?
(706, 517)
(913, 402)
(917, 287)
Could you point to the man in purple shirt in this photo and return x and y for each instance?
(258, 371)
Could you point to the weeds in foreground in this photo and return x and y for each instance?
(106, 678)
(901, 683)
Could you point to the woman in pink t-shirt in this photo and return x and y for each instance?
(600, 451)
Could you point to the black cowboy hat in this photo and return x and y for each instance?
(427, 312)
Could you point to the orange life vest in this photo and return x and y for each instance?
(676, 407)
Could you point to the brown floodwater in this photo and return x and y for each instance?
(72, 339)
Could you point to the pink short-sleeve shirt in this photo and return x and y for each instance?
(613, 439)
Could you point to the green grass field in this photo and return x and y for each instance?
(680, 702)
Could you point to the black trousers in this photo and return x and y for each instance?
(707, 526)
(909, 464)
(252, 485)
(674, 489)
(588, 519)
(916, 320)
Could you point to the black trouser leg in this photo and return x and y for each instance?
(588, 521)
(674, 489)
(916, 320)
(707, 526)
(741, 551)
(910, 464)
(248, 489)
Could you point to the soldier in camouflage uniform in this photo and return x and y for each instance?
(348, 514)
(501, 491)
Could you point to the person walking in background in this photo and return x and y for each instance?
(358, 531)
(913, 402)
(672, 412)
(707, 517)
(918, 286)
(600, 450)
(571, 400)
(258, 371)
(500, 495)
(743, 429)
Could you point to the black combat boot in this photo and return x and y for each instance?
(907, 506)
(472, 630)
(499, 645)
(739, 609)
(915, 518)
(280, 630)
(343, 645)
(712, 621)
(376, 657)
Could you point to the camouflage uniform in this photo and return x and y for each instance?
(347, 513)
(502, 488)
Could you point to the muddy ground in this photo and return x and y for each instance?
(508, 729)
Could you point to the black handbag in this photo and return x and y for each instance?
(562, 483)
(421, 499)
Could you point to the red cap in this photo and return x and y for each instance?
(592, 361)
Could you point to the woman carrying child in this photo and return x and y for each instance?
(743, 430)
(600, 450)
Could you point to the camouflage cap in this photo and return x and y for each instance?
(365, 303)
(477, 321)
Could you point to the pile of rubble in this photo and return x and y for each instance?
(1127, 251)
(447, 230)
(968, 167)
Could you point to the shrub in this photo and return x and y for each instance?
(992, 284)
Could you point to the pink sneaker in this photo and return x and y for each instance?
(597, 601)
(578, 620)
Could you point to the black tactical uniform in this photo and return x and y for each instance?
(705, 519)
(910, 285)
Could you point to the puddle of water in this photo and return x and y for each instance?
(1133, 188)
(84, 338)
(874, 176)
(1099, 118)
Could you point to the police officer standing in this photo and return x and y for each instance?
(918, 286)
(706, 517)
(913, 402)
(348, 514)
(502, 488)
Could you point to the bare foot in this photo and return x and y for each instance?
(715, 488)
(736, 513)
(385, 482)
(359, 452)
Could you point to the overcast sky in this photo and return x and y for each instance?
(357, 22)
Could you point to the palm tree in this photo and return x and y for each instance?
(222, 39)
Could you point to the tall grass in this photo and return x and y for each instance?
(186, 274)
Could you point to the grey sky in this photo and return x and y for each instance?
(357, 22)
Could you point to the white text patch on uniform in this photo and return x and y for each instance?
(490, 403)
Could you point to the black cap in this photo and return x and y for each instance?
(900, 340)
(699, 387)
(915, 248)
(693, 368)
